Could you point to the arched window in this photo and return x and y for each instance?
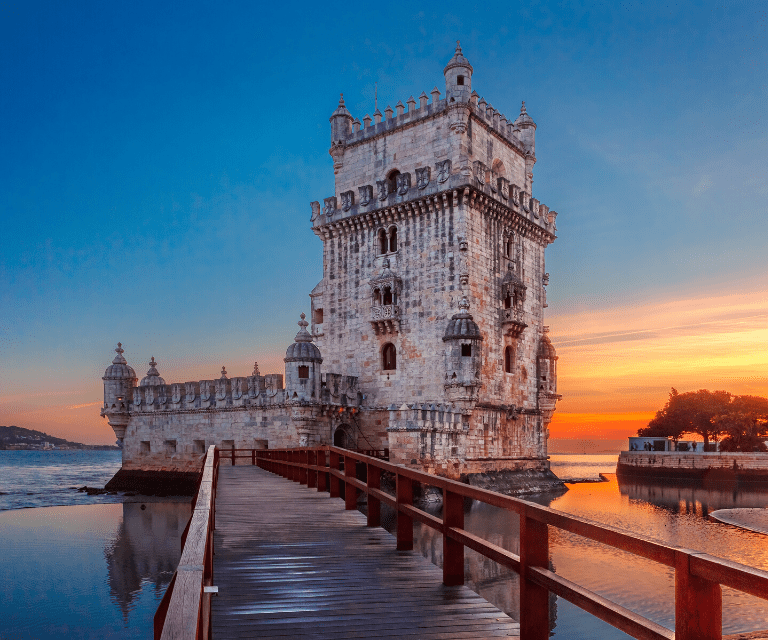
(377, 296)
(382, 241)
(389, 357)
(393, 239)
(387, 295)
(392, 181)
(509, 360)
(509, 248)
(508, 302)
(497, 169)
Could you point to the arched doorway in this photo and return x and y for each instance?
(344, 438)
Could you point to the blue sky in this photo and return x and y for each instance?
(159, 162)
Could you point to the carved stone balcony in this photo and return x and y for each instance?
(385, 318)
(512, 322)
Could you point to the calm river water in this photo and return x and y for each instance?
(81, 567)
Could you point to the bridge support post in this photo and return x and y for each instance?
(453, 551)
(404, 522)
(534, 599)
(350, 492)
(374, 505)
(311, 473)
(303, 471)
(322, 475)
(698, 603)
(334, 480)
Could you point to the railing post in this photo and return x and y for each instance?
(404, 522)
(374, 504)
(453, 551)
(698, 603)
(311, 473)
(294, 469)
(334, 480)
(253, 457)
(285, 468)
(322, 475)
(303, 471)
(350, 492)
(233, 456)
(534, 600)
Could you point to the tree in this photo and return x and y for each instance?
(691, 412)
(745, 424)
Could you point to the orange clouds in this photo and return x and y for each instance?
(618, 364)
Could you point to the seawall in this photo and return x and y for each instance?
(715, 467)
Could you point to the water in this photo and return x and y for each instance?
(673, 514)
(95, 568)
(51, 478)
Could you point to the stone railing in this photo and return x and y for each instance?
(512, 322)
(385, 318)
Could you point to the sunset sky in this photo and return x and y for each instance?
(158, 164)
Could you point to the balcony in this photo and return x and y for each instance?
(512, 322)
(385, 318)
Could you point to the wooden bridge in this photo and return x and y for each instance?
(289, 562)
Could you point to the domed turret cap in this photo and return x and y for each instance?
(341, 110)
(302, 349)
(546, 349)
(119, 369)
(152, 379)
(461, 326)
(524, 120)
(458, 60)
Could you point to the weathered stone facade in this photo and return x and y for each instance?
(429, 312)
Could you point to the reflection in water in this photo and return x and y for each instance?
(84, 572)
(672, 514)
(145, 551)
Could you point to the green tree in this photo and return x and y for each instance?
(691, 412)
(745, 424)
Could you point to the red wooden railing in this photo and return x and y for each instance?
(185, 610)
(698, 576)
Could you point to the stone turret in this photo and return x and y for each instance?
(527, 128)
(458, 77)
(462, 338)
(341, 123)
(546, 374)
(302, 367)
(119, 379)
(152, 379)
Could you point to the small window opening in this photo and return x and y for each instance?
(318, 316)
(382, 241)
(389, 357)
(509, 359)
(377, 296)
(388, 296)
(170, 447)
(460, 81)
(393, 239)
(295, 395)
(145, 447)
(544, 378)
(453, 377)
(508, 302)
(466, 350)
(392, 181)
(303, 373)
(199, 446)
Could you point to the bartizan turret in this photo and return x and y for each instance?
(546, 375)
(458, 78)
(119, 381)
(463, 339)
(341, 129)
(302, 367)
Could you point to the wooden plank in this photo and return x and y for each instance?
(183, 610)
(291, 563)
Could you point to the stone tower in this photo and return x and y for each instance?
(433, 213)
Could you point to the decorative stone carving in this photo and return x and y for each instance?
(149, 395)
(205, 390)
(347, 200)
(253, 384)
(422, 177)
(443, 169)
(237, 388)
(137, 397)
(366, 195)
(315, 210)
(525, 201)
(382, 187)
(535, 207)
(329, 205)
(503, 186)
(403, 183)
(189, 388)
(479, 172)
(176, 393)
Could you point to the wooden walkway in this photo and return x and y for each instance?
(291, 562)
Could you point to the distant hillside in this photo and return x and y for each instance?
(20, 438)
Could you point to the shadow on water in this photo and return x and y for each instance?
(675, 514)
